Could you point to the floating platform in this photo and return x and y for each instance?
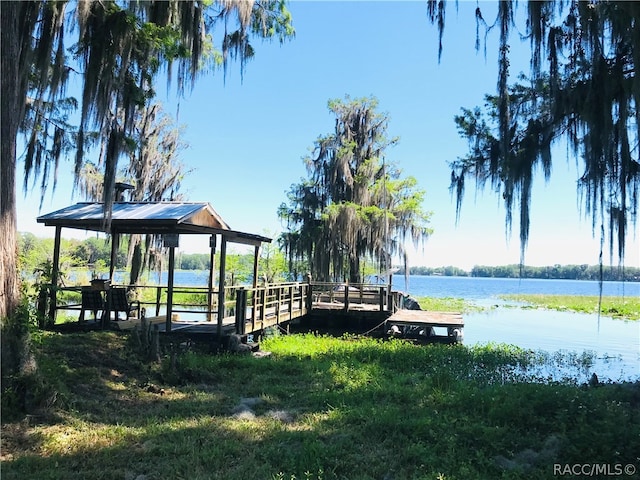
(424, 323)
(426, 318)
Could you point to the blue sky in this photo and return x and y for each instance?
(248, 135)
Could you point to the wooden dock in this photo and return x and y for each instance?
(361, 308)
(424, 318)
(424, 323)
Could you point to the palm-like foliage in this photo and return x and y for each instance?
(353, 205)
(584, 89)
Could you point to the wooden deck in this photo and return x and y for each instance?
(425, 318)
(422, 324)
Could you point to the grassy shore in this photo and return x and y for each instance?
(317, 408)
(618, 307)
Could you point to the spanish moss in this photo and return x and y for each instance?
(354, 205)
(582, 91)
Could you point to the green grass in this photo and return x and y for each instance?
(317, 408)
(618, 307)
(447, 304)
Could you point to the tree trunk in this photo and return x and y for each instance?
(136, 260)
(354, 269)
(17, 362)
(12, 106)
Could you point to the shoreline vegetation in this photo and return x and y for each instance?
(551, 272)
(316, 408)
(627, 308)
(623, 308)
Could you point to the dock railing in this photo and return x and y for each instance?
(254, 308)
(349, 296)
(263, 306)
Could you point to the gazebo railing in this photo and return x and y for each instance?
(261, 301)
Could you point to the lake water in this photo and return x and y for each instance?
(614, 343)
(476, 288)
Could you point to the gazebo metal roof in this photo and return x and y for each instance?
(160, 218)
(149, 217)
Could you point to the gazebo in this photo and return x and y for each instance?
(169, 219)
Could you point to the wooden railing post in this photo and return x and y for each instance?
(263, 301)
(278, 301)
(241, 308)
(381, 299)
(158, 298)
(244, 310)
(290, 302)
(309, 293)
(346, 296)
(253, 309)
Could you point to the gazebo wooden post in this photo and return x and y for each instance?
(212, 265)
(172, 258)
(256, 255)
(223, 262)
(55, 270)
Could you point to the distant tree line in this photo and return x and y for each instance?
(193, 261)
(94, 254)
(448, 271)
(566, 272)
